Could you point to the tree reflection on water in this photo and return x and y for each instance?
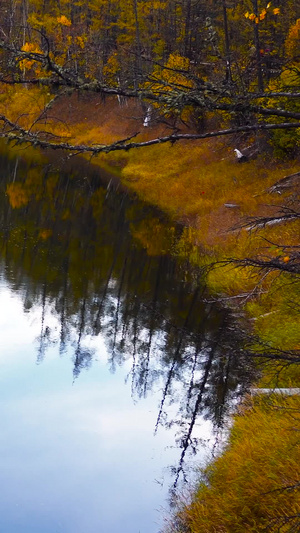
(78, 250)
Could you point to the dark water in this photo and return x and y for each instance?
(114, 371)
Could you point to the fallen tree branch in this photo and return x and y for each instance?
(291, 265)
(256, 222)
(26, 136)
(283, 182)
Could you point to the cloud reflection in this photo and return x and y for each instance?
(78, 458)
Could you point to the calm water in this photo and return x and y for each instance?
(113, 370)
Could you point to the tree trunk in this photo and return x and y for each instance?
(187, 37)
(138, 59)
(260, 81)
(227, 43)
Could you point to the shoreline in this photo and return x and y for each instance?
(205, 238)
(198, 184)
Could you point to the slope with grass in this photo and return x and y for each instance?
(254, 485)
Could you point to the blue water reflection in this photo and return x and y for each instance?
(75, 456)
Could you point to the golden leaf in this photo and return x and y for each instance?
(64, 21)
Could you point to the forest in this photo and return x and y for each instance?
(193, 105)
(230, 67)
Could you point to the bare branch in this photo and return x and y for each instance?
(204, 96)
(26, 136)
(291, 265)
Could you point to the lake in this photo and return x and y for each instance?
(117, 370)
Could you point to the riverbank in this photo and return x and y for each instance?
(254, 485)
(201, 186)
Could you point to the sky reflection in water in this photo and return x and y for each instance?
(75, 456)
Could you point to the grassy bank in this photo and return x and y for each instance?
(194, 182)
(199, 184)
(254, 485)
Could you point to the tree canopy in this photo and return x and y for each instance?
(224, 67)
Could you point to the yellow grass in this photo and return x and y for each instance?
(245, 489)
